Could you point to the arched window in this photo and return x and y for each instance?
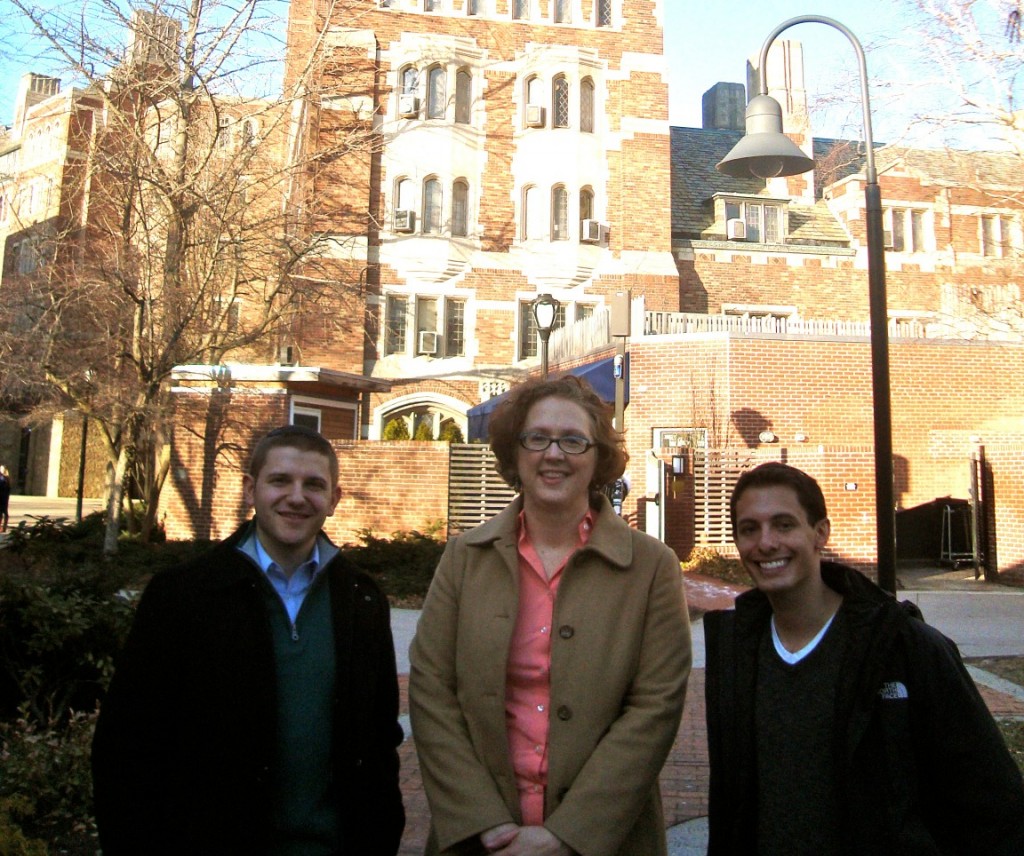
(531, 212)
(431, 206)
(460, 208)
(463, 97)
(409, 81)
(435, 93)
(587, 105)
(560, 102)
(559, 213)
(586, 204)
(405, 194)
(249, 129)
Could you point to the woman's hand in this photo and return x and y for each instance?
(499, 836)
(525, 841)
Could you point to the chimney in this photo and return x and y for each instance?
(723, 107)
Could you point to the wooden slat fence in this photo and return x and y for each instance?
(475, 490)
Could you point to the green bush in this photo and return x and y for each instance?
(402, 565)
(709, 563)
(450, 433)
(424, 432)
(396, 429)
(46, 786)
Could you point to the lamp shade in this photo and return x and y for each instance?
(545, 307)
(764, 151)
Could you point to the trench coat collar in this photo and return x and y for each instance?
(610, 538)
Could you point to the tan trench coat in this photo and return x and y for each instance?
(620, 660)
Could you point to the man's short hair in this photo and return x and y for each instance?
(293, 437)
(776, 474)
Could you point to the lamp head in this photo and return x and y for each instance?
(545, 307)
(764, 151)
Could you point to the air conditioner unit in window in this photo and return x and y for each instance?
(428, 342)
(591, 232)
(408, 106)
(405, 220)
(534, 116)
(736, 230)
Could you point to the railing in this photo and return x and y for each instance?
(580, 338)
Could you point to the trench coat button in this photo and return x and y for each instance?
(564, 713)
(566, 631)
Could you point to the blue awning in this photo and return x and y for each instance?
(600, 375)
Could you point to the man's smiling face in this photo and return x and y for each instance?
(779, 547)
(292, 494)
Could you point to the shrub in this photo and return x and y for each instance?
(396, 429)
(402, 565)
(450, 433)
(46, 786)
(424, 432)
(706, 561)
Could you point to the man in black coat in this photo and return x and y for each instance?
(838, 721)
(254, 709)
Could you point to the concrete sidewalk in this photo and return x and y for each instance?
(983, 619)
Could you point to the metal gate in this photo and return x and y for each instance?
(475, 490)
(715, 473)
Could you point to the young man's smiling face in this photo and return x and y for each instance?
(779, 547)
(293, 494)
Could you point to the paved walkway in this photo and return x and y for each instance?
(982, 619)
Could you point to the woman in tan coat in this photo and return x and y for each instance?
(550, 664)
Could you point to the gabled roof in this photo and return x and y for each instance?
(695, 181)
(995, 170)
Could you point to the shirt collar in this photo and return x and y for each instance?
(252, 547)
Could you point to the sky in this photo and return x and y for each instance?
(707, 42)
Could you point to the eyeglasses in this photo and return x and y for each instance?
(571, 445)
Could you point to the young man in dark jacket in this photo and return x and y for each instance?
(838, 721)
(255, 707)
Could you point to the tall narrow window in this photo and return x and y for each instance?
(587, 105)
(460, 209)
(520, 10)
(917, 230)
(223, 131)
(559, 214)
(426, 326)
(586, 207)
(405, 194)
(528, 328)
(560, 102)
(472, 7)
(454, 328)
(531, 213)
(991, 235)
(435, 93)
(431, 206)
(772, 228)
(409, 81)
(430, 5)
(395, 324)
(463, 97)
(563, 13)
(603, 13)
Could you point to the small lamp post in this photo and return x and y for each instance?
(766, 152)
(545, 308)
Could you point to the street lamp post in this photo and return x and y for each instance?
(766, 152)
(545, 308)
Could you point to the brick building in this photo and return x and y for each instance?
(523, 149)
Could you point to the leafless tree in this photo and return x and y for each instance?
(192, 238)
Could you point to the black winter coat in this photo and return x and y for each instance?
(184, 745)
(924, 771)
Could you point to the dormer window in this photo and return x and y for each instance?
(761, 221)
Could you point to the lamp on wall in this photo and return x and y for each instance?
(766, 152)
(545, 308)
